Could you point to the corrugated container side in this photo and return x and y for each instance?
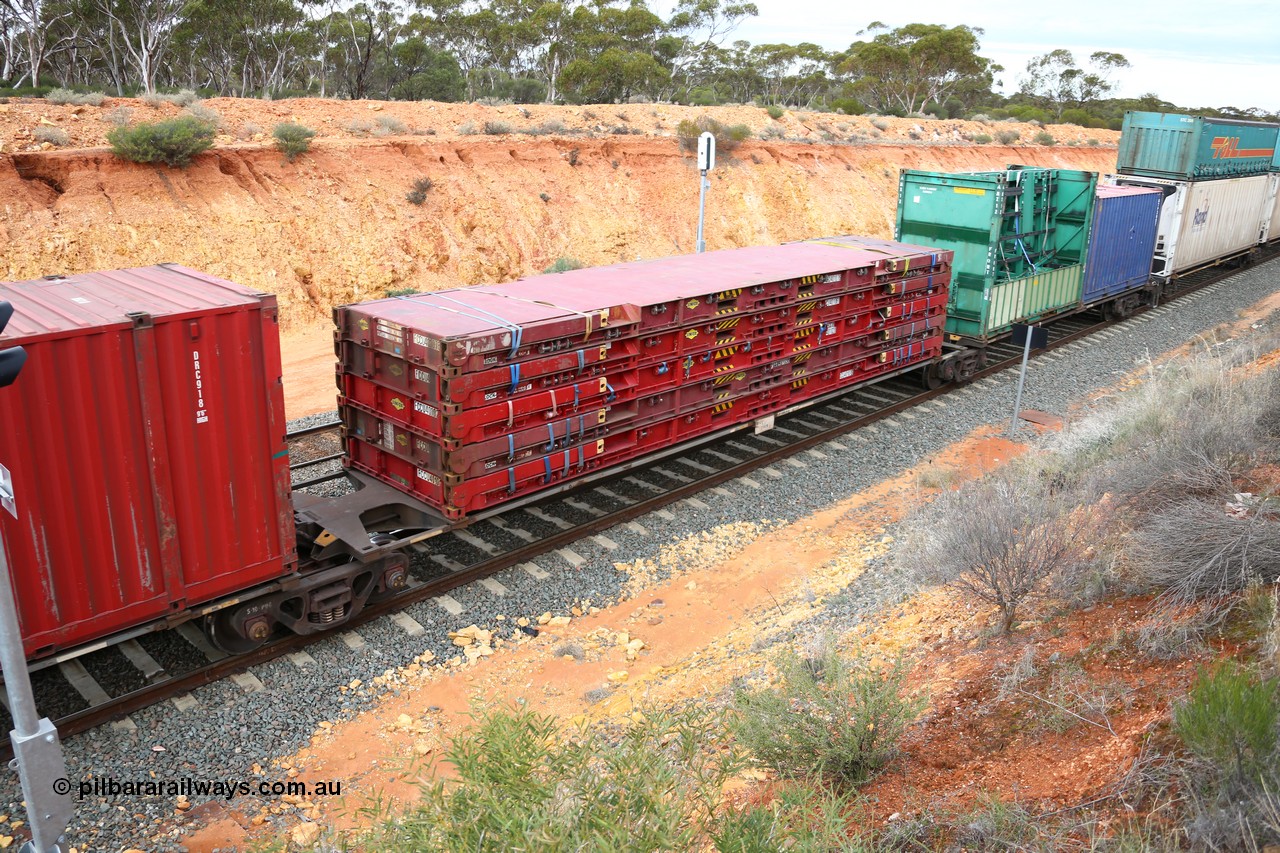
(1273, 227)
(1184, 147)
(1205, 221)
(1122, 242)
(147, 453)
(1009, 266)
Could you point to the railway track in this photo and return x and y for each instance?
(106, 684)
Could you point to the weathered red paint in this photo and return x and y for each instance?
(146, 441)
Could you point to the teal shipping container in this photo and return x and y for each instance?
(1195, 148)
(1019, 236)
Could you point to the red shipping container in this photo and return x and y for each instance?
(146, 441)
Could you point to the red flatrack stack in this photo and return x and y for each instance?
(469, 398)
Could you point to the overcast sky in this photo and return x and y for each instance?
(1206, 53)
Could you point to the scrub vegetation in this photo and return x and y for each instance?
(1165, 495)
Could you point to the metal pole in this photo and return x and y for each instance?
(36, 749)
(702, 209)
(1022, 378)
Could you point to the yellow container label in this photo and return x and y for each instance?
(968, 191)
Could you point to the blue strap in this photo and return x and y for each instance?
(546, 462)
(567, 454)
(551, 437)
(515, 377)
(515, 328)
(511, 447)
(663, 369)
(582, 426)
(582, 457)
(582, 361)
(511, 481)
(611, 395)
(576, 395)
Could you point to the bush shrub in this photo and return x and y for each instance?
(999, 539)
(358, 127)
(728, 137)
(293, 140)
(53, 135)
(183, 98)
(1230, 719)
(1044, 137)
(418, 193)
(522, 783)
(66, 96)
(205, 114)
(174, 142)
(828, 717)
(880, 124)
(982, 139)
(774, 111)
(401, 291)
(563, 264)
(390, 126)
(1007, 137)
(496, 128)
(120, 116)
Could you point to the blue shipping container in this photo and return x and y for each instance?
(1122, 241)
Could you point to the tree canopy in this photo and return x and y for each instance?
(527, 51)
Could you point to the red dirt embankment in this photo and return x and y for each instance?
(335, 226)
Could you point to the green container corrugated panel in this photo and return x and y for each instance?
(1019, 237)
(1194, 148)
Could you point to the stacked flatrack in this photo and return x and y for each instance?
(468, 398)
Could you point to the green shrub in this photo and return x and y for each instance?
(1092, 143)
(1007, 137)
(523, 783)
(801, 818)
(1044, 137)
(982, 139)
(563, 264)
(828, 717)
(497, 128)
(880, 124)
(1075, 116)
(174, 142)
(848, 106)
(727, 137)
(293, 140)
(401, 291)
(774, 111)
(1230, 719)
(418, 194)
(66, 96)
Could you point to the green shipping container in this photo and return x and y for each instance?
(1194, 148)
(1019, 237)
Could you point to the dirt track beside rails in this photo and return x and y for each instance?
(335, 226)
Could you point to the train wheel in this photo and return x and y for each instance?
(931, 379)
(233, 636)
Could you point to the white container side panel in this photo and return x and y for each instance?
(1219, 218)
(1273, 231)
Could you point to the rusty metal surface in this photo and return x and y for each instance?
(146, 440)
